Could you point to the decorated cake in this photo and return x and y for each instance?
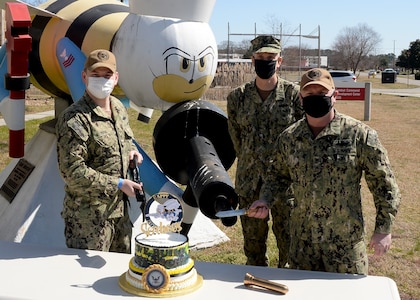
(161, 266)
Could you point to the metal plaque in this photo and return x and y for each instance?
(16, 179)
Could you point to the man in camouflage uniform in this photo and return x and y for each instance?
(258, 112)
(94, 146)
(323, 156)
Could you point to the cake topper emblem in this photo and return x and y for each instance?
(163, 213)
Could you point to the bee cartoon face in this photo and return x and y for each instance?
(175, 60)
(187, 73)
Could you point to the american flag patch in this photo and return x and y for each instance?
(68, 61)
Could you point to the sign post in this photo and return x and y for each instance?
(357, 91)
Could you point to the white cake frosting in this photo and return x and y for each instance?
(169, 239)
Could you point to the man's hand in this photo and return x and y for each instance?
(136, 154)
(129, 187)
(380, 243)
(259, 209)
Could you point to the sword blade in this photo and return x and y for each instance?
(231, 213)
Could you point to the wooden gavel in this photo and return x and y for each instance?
(264, 283)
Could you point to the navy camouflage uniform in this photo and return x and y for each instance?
(254, 126)
(93, 151)
(327, 226)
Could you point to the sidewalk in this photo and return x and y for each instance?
(29, 117)
(398, 92)
(409, 92)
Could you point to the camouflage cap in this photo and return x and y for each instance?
(265, 43)
(317, 76)
(101, 58)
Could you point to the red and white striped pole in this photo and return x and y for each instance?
(18, 46)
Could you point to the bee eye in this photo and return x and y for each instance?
(202, 64)
(185, 64)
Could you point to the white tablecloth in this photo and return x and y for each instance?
(37, 272)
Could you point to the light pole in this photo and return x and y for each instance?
(393, 64)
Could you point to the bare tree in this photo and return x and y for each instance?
(353, 44)
(281, 29)
(273, 23)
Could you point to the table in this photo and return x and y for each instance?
(39, 272)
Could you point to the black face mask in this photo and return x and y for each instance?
(317, 106)
(265, 68)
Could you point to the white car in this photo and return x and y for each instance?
(342, 76)
(372, 72)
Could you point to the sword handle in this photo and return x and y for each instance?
(264, 283)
